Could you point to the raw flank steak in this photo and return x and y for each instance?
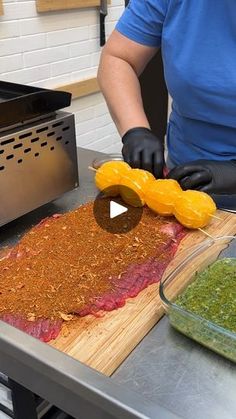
(43, 329)
(67, 265)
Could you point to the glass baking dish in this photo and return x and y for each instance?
(192, 261)
(109, 157)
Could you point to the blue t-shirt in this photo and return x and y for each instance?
(198, 41)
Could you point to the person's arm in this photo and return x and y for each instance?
(122, 61)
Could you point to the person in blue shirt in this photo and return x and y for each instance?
(198, 44)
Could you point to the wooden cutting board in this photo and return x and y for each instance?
(103, 343)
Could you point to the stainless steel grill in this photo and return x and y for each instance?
(38, 163)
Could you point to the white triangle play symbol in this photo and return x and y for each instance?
(116, 209)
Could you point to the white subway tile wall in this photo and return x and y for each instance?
(57, 48)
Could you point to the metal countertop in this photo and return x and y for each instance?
(166, 369)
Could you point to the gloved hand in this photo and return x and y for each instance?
(216, 177)
(143, 150)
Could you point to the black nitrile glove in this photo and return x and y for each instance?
(213, 177)
(143, 150)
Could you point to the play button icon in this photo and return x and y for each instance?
(116, 209)
(115, 216)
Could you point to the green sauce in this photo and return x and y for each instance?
(206, 304)
(212, 295)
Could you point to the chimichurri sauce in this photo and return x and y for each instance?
(212, 295)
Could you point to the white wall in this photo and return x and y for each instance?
(57, 48)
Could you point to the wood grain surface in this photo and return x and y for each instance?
(81, 88)
(51, 5)
(1, 8)
(103, 343)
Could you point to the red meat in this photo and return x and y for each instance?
(43, 329)
(128, 285)
(138, 277)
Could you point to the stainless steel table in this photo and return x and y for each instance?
(166, 376)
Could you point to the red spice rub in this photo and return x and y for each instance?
(69, 265)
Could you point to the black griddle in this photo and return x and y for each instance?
(20, 103)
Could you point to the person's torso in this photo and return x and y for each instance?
(199, 54)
